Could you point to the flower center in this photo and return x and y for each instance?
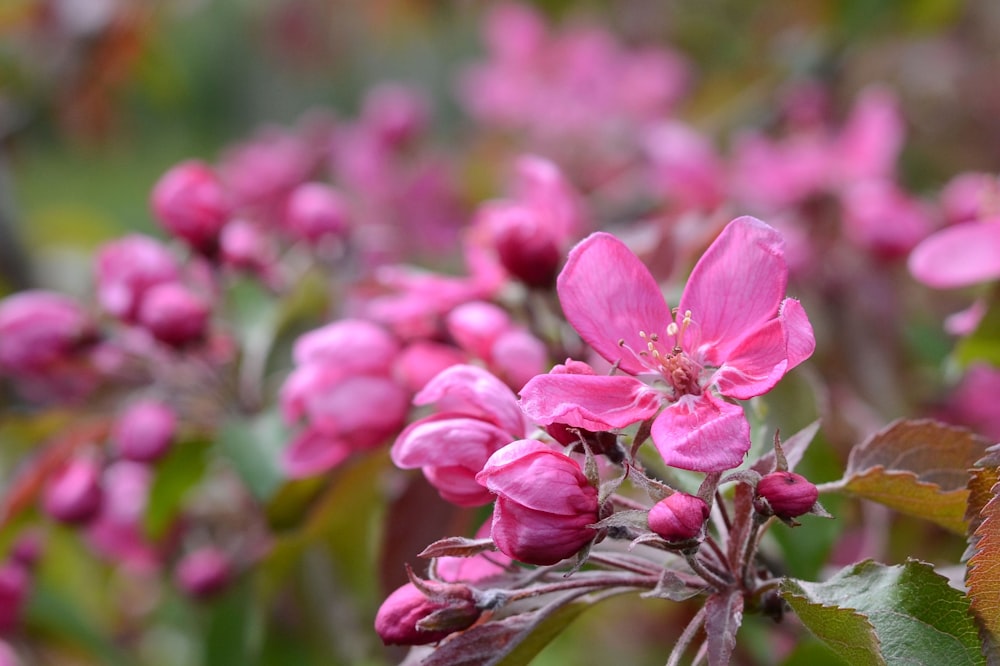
(681, 372)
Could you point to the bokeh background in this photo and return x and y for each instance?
(99, 97)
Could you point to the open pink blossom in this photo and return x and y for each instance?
(734, 336)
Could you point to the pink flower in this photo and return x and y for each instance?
(127, 268)
(191, 203)
(409, 616)
(145, 431)
(204, 573)
(959, 256)
(735, 335)
(477, 415)
(678, 517)
(545, 505)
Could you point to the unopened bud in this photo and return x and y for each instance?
(14, 583)
(784, 494)
(316, 210)
(191, 204)
(410, 616)
(145, 431)
(678, 517)
(174, 314)
(204, 573)
(526, 248)
(74, 494)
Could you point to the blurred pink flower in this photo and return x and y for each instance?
(959, 256)
(127, 268)
(735, 334)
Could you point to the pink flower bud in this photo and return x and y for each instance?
(74, 494)
(27, 549)
(395, 113)
(408, 616)
(174, 314)
(476, 325)
(127, 268)
(545, 504)
(678, 517)
(39, 329)
(526, 248)
(190, 202)
(245, 246)
(145, 431)
(316, 210)
(204, 573)
(14, 583)
(785, 494)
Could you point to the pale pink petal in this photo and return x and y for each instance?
(448, 439)
(608, 295)
(517, 356)
(756, 364)
(476, 325)
(312, 453)
(964, 322)
(354, 345)
(958, 256)
(702, 434)
(362, 410)
(420, 361)
(735, 287)
(470, 390)
(594, 402)
(801, 342)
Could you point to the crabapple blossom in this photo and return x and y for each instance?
(129, 267)
(40, 330)
(784, 494)
(410, 616)
(145, 431)
(734, 336)
(315, 211)
(174, 314)
(959, 256)
(678, 517)
(476, 414)
(192, 204)
(73, 494)
(545, 505)
(204, 573)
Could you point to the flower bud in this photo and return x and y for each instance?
(144, 431)
(39, 329)
(316, 210)
(408, 616)
(785, 495)
(191, 204)
(128, 267)
(74, 494)
(526, 248)
(545, 505)
(204, 573)
(678, 517)
(174, 314)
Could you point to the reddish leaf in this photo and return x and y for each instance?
(981, 482)
(920, 468)
(983, 575)
(723, 617)
(457, 547)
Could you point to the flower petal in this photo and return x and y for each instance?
(735, 287)
(448, 440)
(537, 476)
(608, 295)
(472, 391)
(801, 342)
(594, 402)
(756, 364)
(312, 453)
(958, 256)
(702, 434)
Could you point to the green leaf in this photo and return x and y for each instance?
(177, 473)
(254, 447)
(918, 467)
(984, 343)
(233, 628)
(871, 613)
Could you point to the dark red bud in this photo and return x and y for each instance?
(74, 493)
(679, 517)
(408, 616)
(784, 494)
(174, 314)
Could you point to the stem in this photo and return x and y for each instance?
(727, 521)
(710, 577)
(690, 631)
(753, 540)
(721, 556)
(635, 565)
(628, 503)
(599, 582)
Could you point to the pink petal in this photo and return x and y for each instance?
(756, 364)
(702, 434)
(538, 477)
(363, 410)
(735, 287)
(801, 342)
(608, 295)
(458, 485)
(312, 453)
(594, 402)
(958, 256)
(448, 439)
(470, 390)
(537, 537)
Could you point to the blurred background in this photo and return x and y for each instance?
(98, 98)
